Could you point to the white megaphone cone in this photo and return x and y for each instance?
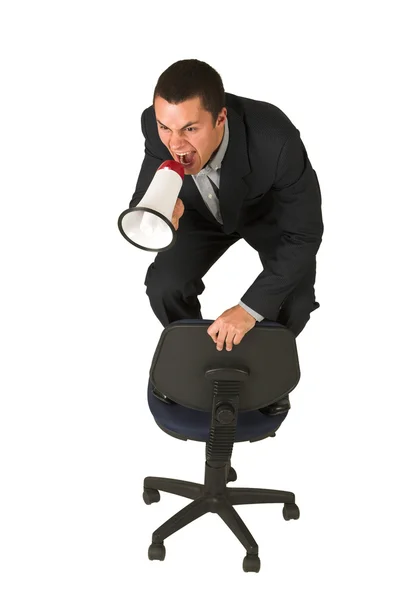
(148, 225)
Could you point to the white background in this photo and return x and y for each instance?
(78, 333)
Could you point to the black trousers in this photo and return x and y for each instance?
(174, 280)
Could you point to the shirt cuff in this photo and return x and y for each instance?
(252, 312)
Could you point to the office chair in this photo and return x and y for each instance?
(214, 397)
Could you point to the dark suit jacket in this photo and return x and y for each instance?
(267, 186)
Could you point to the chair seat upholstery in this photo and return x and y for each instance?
(195, 424)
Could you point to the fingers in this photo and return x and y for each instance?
(225, 335)
(230, 337)
(212, 332)
(238, 338)
(179, 209)
(218, 332)
(231, 327)
(221, 338)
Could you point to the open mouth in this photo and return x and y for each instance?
(186, 158)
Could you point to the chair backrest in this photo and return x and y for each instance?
(185, 352)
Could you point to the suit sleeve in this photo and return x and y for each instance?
(297, 196)
(150, 164)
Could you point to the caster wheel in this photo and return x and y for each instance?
(290, 511)
(232, 476)
(156, 551)
(150, 495)
(251, 563)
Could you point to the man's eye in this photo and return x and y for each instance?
(190, 128)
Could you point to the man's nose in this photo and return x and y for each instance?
(176, 142)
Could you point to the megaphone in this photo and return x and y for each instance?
(148, 225)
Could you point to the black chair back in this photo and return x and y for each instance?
(185, 353)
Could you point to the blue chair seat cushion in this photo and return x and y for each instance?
(195, 424)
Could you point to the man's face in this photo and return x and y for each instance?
(188, 131)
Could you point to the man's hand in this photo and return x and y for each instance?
(178, 212)
(231, 327)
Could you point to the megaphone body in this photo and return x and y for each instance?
(148, 225)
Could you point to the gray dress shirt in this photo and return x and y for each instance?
(207, 182)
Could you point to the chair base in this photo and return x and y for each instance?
(214, 496)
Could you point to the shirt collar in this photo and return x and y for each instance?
(215, 162)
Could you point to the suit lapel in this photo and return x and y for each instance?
(235, 166)
(232, 188)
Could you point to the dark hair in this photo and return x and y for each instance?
(188, 79)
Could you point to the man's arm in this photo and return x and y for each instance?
(150, 164)
(297, 194)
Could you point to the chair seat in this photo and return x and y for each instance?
(195, 424)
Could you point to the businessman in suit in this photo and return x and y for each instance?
(247, 176)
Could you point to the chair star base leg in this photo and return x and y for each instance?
(187, 489)
(258, 496)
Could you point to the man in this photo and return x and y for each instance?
(247, 175)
